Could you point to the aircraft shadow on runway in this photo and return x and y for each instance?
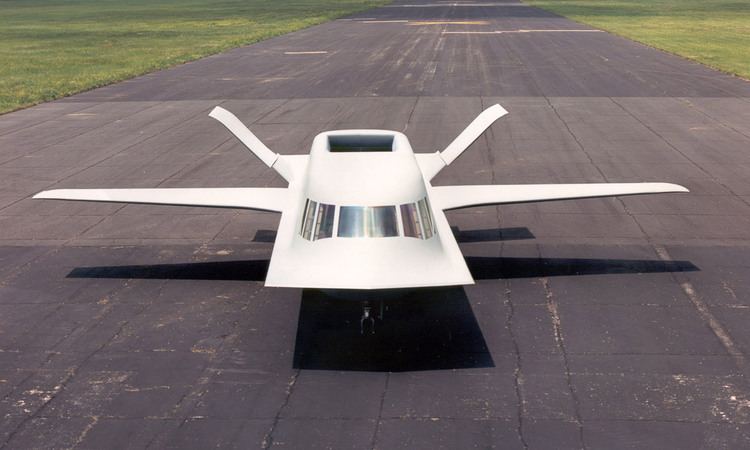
(466, 236)
(493, 268)
(428, 329)
(248, 270)
(482, 268)
(491, 234)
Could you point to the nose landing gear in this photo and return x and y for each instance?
(367, 317)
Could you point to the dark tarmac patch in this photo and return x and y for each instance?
(431, 329)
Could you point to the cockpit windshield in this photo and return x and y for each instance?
(320, 221)
(367, 221)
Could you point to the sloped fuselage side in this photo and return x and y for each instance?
(363, 179)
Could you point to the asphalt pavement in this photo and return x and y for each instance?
(602, 323)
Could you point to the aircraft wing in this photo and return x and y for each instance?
(455, 197)
(263, 199)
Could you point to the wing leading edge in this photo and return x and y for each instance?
(455, 197)
(262, 199)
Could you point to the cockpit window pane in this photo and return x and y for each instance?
(351, 221)
(382, 221)
(410, 219)
(304, 215)
(424, 212)
(324, 222)
(367, 221)
(307, 224)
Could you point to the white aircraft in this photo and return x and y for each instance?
(360, 212)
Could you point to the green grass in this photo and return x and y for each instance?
(53, 48)
(714, 32)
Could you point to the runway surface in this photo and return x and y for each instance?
(608, 323)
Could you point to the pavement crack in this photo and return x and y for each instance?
(411, 114)
(38, 412)
(575, 138)
(84, 107)
(720, 122)
(20, 269)
(681, 153)
(517, 372)
(706, 315)
(128, 147)
(268, 438)
(207, 371)
(270, 111)
(85, 431)
(82, 133)
(688, 289)
(374, 442)
(552, 307)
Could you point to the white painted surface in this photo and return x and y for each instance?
(248, 139)
(454, 197)
(263, 199)
(522, 31)
(472, 132)
(311, 52)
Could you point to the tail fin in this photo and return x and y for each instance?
(467, 137)
(472, 133)
(249, 140)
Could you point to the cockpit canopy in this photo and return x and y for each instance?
(322, 221)
(363, 168)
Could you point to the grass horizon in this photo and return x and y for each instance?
(54, 48)
(712, 32)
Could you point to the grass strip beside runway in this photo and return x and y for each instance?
(713, 32)
(53, 48)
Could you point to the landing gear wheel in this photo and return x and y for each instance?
(366, 317)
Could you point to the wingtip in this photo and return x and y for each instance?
(53, 194)
(217, 111)
(498, 110)
(677, 187)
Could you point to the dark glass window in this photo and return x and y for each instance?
(417, 220)
(410, 220)
(307, 223)
(324, 222)
(355, 143)
(317, 220)
(424, 212)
